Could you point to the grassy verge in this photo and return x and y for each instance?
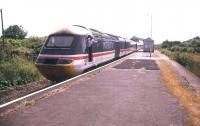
(188, 98)
(17, 62)
(188, 60)
(17, 72)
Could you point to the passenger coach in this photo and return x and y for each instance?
(72, 50)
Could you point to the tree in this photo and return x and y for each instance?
(15, 32)
(166, 44)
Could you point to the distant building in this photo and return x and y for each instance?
(148, 45)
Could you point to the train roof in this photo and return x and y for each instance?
(97, 33)
(81, 30)
(112, 36)
(75, 30)
(121, 39)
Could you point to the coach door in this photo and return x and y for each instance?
(90, 56)
(117, 49)
(89, 43)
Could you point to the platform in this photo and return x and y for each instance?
(130, 93)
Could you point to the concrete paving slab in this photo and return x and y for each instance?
(131, 93)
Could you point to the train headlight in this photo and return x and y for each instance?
(53, 61)
(64, 61)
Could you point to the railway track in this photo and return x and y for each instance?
(57, 85)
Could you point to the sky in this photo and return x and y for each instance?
(171, 19)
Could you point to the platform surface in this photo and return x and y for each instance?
(131, 93)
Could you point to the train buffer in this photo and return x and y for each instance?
(130, 92)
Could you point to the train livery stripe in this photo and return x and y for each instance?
(77, 57)
(128, 49)
(102, 54)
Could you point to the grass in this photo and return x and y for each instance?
(188, 97)
(190, 61)
(17, 61)
(17, 72)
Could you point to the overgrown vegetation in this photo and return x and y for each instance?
(17, 58)
(186, 53)
(188, 98)
(17, 72)
(190, 46)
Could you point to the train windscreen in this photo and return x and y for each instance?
(59, 41)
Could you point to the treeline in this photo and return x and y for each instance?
(17, 56)
(191, 46)
(186, 53)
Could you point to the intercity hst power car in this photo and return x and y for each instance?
(74, 49)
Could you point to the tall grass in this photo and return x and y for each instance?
(17, 62)
(188, 98)
(190, 61)
(17, 72)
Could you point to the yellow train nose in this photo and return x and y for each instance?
(57, 72)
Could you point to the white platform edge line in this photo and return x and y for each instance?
(58, 84)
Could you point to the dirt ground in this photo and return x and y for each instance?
(18, 91)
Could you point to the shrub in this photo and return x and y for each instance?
(189, 61)
(183, 49)
(190, 50)
(172, 49)
(16, 61)
(197, 49)
(184, 60)
(1, 76)
(18, 72)
(175, 48)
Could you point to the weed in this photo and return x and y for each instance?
(188, 98)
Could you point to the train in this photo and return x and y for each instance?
(73, 50)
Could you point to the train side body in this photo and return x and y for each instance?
(71, 51)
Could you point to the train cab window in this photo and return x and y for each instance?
(59, 41)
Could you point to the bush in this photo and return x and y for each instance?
(183, 49)
(192, 45)
(16, 61)
(197, 49)
(189, 61)
(17, 72)
(184, 60)
(166, 52)
(190, 50)
(172, 49)
(25, 48)
(1, 76)
(175, 48)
